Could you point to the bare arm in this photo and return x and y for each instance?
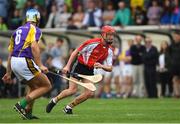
(104, 67)
(36, 54)
(9, 64)
(107, 68)
(7, 77)
(71, 59)
(128, 59)
(107, 64)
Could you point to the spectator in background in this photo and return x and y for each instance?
(93, 15)
(57, 54)
(175, 19)
(126, 71)
(52, 17)
(20, 4)
(76, 3)
(150, 59)
(16, 20)
(108, 14)
(136, 3)
(42, 11)
(49, 4)
(154, 13)
(78, 16)
(3, 26)
(28, 5)
(122, 16)
(164, 69)
(166, 14)
(60, 4)
(3, 8)
(71, 25)
(40, 2)
(139, 16)
(69, 3)
(2, 73)
(175, 63)
(62, 18)
(136, 52)
(56, 61)
(11, 9)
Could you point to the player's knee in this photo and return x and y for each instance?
(90, 94)
(73, 90)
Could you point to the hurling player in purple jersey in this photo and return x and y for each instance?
(24, 61)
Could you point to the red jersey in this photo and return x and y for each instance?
(93, 51)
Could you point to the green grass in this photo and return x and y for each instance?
(100, 111)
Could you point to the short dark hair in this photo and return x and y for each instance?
(59, 39)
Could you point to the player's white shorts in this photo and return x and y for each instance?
(115, 72)
(24, 68)
(126, 70)
(99, 71)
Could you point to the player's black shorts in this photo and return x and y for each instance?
(82, 69)
(175, 70)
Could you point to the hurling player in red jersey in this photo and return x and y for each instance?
(93, 53)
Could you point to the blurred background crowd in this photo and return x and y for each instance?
(75, 14)
(141, 69)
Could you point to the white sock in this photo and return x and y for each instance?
(54, 100)
(68, 107)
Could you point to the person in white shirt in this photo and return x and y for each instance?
(93, 16)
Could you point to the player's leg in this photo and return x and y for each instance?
(79, 99)
(29, 107)
(65, 93)
(100, 89)
(43, 86)
(101, 84)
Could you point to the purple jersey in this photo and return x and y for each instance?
(124, 53)
(21, 39)
(127, 53)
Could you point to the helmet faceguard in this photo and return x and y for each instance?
(32, 15)
(108, 34)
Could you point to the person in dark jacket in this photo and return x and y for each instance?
(136, 52)
(175, 63)
(164, 69)
(150, 59)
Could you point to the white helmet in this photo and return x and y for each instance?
(32, 15)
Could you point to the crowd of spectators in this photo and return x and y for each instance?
(75, 14)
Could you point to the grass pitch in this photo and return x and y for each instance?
(99, 111)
